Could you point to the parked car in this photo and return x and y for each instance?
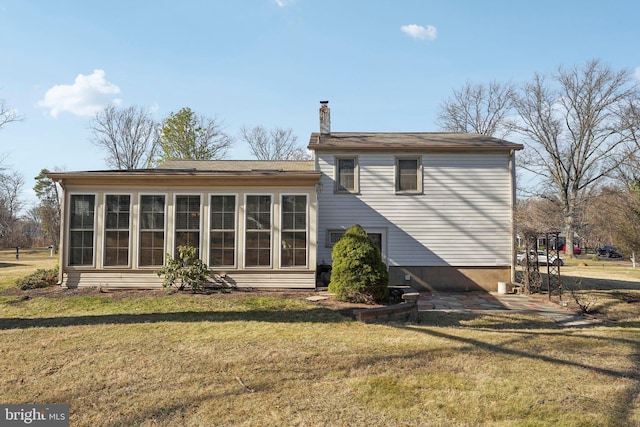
(541, 256)
(576, 249)
(608, 251)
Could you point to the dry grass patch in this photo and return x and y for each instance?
(246, 359)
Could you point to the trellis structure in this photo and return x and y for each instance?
(532, 277)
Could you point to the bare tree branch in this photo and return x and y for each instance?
(274, 144)
(576, 125)
(7, 115)
(128, 135)
(478, 108)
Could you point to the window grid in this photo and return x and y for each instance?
(258, 231)
(187, 222)
(81, 229)
(294, 231)
(152, 217)
(117, 214)
(223, 231)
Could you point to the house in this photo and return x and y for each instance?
(438, 205)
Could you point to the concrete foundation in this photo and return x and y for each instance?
(453, 279)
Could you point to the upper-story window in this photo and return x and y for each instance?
(408, 175)
(346, 175)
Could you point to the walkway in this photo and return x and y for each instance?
(478, 301)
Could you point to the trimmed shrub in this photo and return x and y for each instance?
(41, 278)
(187, 271)
(358, 273)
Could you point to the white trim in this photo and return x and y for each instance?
(237, 219)
(200, 222)
(244, 231)
(104, 231)
(139, 230)
(93, 264)
(280, 230)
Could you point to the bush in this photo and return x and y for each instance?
(358, 273)
(41, 278)
(187, 271)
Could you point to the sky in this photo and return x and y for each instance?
(383, 66)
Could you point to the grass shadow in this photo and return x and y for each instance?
(312, 315)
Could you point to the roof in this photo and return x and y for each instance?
(240, 165)
(408, 141)
(214, 172)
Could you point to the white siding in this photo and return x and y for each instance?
(463, 217)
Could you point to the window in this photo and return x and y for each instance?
(188, 222)
(408, 175)
(117, 212)
(346, 175)
(294, 231)
(333, 236)
(258, 231)
(151, 231)
(81, 229)
(223, 231)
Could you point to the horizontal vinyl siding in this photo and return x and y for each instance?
(150, 280)
(463, 217)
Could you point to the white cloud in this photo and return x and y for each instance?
(85, 97)
(419, 32)
(637, 73)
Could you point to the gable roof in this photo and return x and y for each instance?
(408, 141)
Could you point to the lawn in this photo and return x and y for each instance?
(148, 358)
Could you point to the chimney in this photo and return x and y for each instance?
(325, 119)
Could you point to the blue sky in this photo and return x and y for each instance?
(383, 65)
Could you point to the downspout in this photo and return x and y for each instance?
(512, 173)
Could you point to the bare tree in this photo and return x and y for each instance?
(274, 144)
(186, 135)
(7, 115)
(128, 135)
(478, 108)
(574, 128)
(11, 185)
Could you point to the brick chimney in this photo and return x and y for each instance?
(325, 119)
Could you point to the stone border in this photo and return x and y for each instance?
(406, 311)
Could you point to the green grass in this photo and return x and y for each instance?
(148, 358)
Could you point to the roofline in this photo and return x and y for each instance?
(180, 177)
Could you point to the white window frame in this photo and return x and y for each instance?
(245, 230)
(95, 230)
(237, 230)
(104, 231)
(139, 229)
(306, 264)
(174, 247)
